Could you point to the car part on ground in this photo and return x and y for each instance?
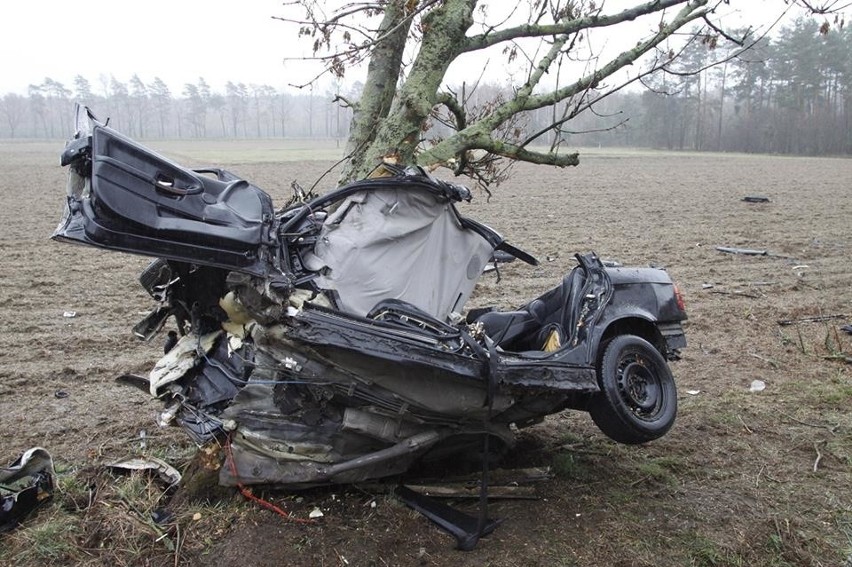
(25, 485)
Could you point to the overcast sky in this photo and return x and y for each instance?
(176, 40)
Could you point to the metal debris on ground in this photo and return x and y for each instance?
(25, 485)
(744, 251)
(164, 471)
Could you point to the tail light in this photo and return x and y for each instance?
(679, 299)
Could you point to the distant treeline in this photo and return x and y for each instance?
(791, 94)
(152, 110)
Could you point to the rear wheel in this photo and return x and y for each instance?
(638, 398)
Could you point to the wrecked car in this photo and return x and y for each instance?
(328, 339)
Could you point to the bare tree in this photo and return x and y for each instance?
(139, 99)
(236, 95)
(552, 46)
(13, 107)
(161, 99)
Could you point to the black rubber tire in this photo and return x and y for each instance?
(638, 398)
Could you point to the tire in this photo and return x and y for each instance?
(638, 398)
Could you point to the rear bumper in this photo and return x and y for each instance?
(673, 335)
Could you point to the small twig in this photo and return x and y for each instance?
(763, 472)
(740, 293)
(747, 428)
(818, 457)
(801, 340)
(816, 319)
(345, 102)
(764, 359)
(817, 425)
(178, 544)
(575, 449)
(744, 251)
(472, 491)
(640, 481)
(839, 342)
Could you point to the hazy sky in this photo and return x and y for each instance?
(176, 40)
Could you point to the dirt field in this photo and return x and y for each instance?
(744, 478)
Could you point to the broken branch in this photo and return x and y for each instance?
(815, 319)
(744, 251)
(764, 359)
(741, 293)
(464, 491)
(817, 425)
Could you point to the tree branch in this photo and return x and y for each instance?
(515, 152)
(478, 135)
(688, 14)
(453, 105)
(486, 40)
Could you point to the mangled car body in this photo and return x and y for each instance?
(328, 339)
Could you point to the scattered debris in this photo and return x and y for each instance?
(707, 286)
(162, 516)
(746, 251)
(755, 199)
(846, 329)
(757, 386)
(465, 528)
(315, 513)
(472, 491)
(746, 427)
(814, 319)
(751, 252)
(24, 486)
(693, 392)
(165, 471)
(771, 362)
(69, 314)
(738, 292)
(499, 477)
(60, 394)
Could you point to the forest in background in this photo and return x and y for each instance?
(791, 94)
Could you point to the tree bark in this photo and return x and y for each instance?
(377, 97)
(398, 133)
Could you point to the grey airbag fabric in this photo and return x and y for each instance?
(404, 244)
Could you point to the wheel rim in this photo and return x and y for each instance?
(639, 386)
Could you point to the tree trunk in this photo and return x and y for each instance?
(200, 481)
(722, 105)
(379, 89)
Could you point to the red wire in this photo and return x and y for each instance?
(247, 493)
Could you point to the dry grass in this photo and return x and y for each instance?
(757, 479)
